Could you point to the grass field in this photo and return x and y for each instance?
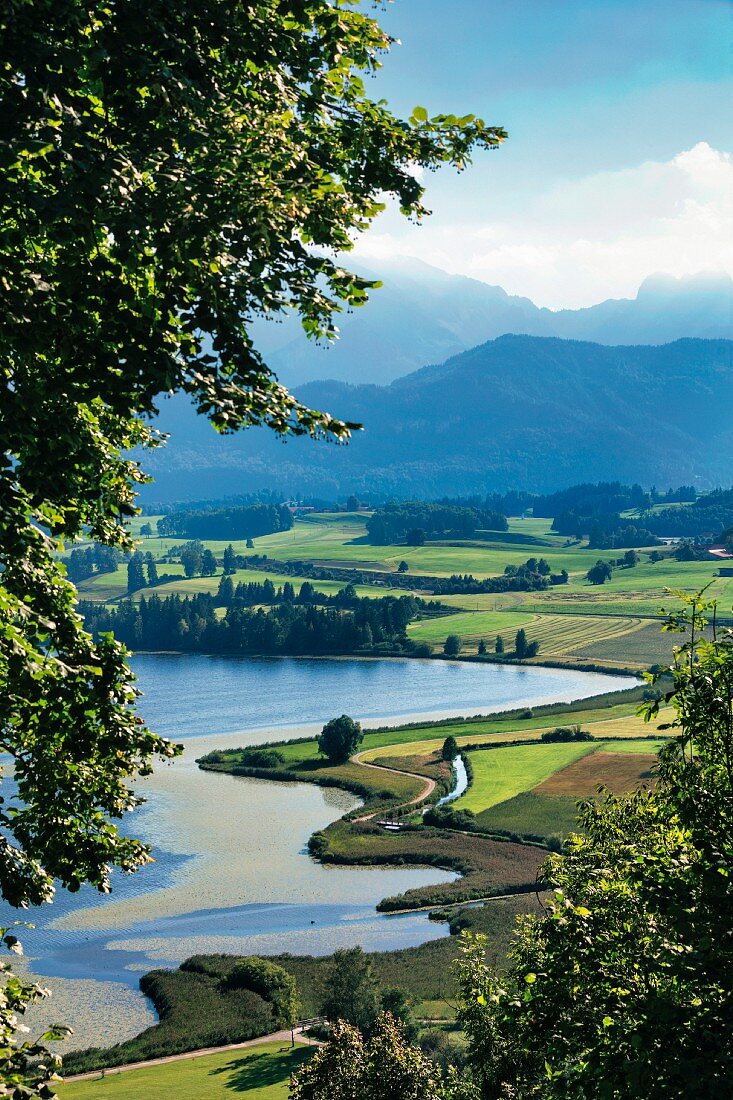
(606, 625)
(261, 1072)
(501, 774)
(471, 626)
(516, 791)
(113, 586)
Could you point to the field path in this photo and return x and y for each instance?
(429, 785)
(275, 1037)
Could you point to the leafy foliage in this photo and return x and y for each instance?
(394, 522)
(340, 738)
(449, 750)
(270, 982)
(190, 624)
(382, 1067)
(352, 992)
(240, 522)
(165, 173)
(566, 733)
(623, 988)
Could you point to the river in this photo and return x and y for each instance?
(232, 872)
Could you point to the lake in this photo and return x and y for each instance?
(232, 872)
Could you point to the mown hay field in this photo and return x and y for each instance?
(619, 771)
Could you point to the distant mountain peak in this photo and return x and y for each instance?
(423, 315)
(662, 285)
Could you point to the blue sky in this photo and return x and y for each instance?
(618, 161)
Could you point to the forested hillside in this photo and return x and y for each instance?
(520, 411)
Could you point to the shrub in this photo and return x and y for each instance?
(317, 844)
(566, 733)
(271, 982)
(261, 758)
(450, 748)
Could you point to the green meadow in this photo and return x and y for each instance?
(500, 774)
(608, 626)
(262, 1072)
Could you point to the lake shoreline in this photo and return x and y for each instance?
(568, 664)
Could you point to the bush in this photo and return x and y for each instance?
(452, 645)
(270, 982)
(317, 845)
(566, 733)
(260, 758)
(450, 748)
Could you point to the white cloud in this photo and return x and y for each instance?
(595, 237)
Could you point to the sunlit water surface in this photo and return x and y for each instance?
(232, 872)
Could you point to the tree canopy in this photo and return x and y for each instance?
(168, 173)
(340, 738)
(623, 987)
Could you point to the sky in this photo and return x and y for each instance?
(619, 160)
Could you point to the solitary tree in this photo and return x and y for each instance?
(135, 572)
(307, 593)
(481, 648)
(225, 592)
(339, 739)
(146, 531)
(520, 643)
(272, 983)
(151, 569)
(403, 567)
(599, 573)
(381, 1066)
(191, 558)
(499, 644)
(399, 1005)
(452, 645)
(208, 564)
(450, 748)
(230, 559)
(351, 990)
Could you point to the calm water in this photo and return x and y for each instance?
(195, 695)
(232, 872)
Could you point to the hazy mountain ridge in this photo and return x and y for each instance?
(516, 412)
(423, 315)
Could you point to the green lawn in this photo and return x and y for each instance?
(577, 621)
(501, 774)
(341, 539)
(261, 1072)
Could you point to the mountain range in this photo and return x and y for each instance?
(423, 315)
(518, 411)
